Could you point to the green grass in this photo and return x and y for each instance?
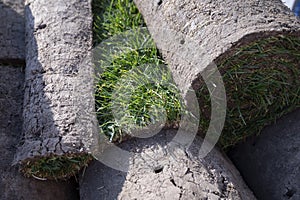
(55, 167)
(149, 99)
(133, 105)
(112, 17)
(262, 82)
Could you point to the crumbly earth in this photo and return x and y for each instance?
(161, 171)
(12, 33)
(58, 106)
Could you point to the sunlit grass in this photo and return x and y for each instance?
(262, 82)
(148, 96)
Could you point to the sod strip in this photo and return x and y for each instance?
(60, 127)
(255, 45)
(114, 18)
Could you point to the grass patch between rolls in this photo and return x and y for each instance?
(113, 18)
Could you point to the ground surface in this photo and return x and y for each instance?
(270, 163)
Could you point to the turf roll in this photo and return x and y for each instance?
(60, 126)
(254, 45)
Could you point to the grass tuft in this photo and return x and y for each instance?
(55, 167)
(112, 17)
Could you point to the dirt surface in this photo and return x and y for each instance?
(12, 32)
(159, 171)
(270, 163)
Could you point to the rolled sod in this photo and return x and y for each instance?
(13, 185)
(60, 127)
(159, 170)
(254, 44)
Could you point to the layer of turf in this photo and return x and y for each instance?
(262, 82)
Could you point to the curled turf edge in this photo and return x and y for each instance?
(262, 82)
(55, 167)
